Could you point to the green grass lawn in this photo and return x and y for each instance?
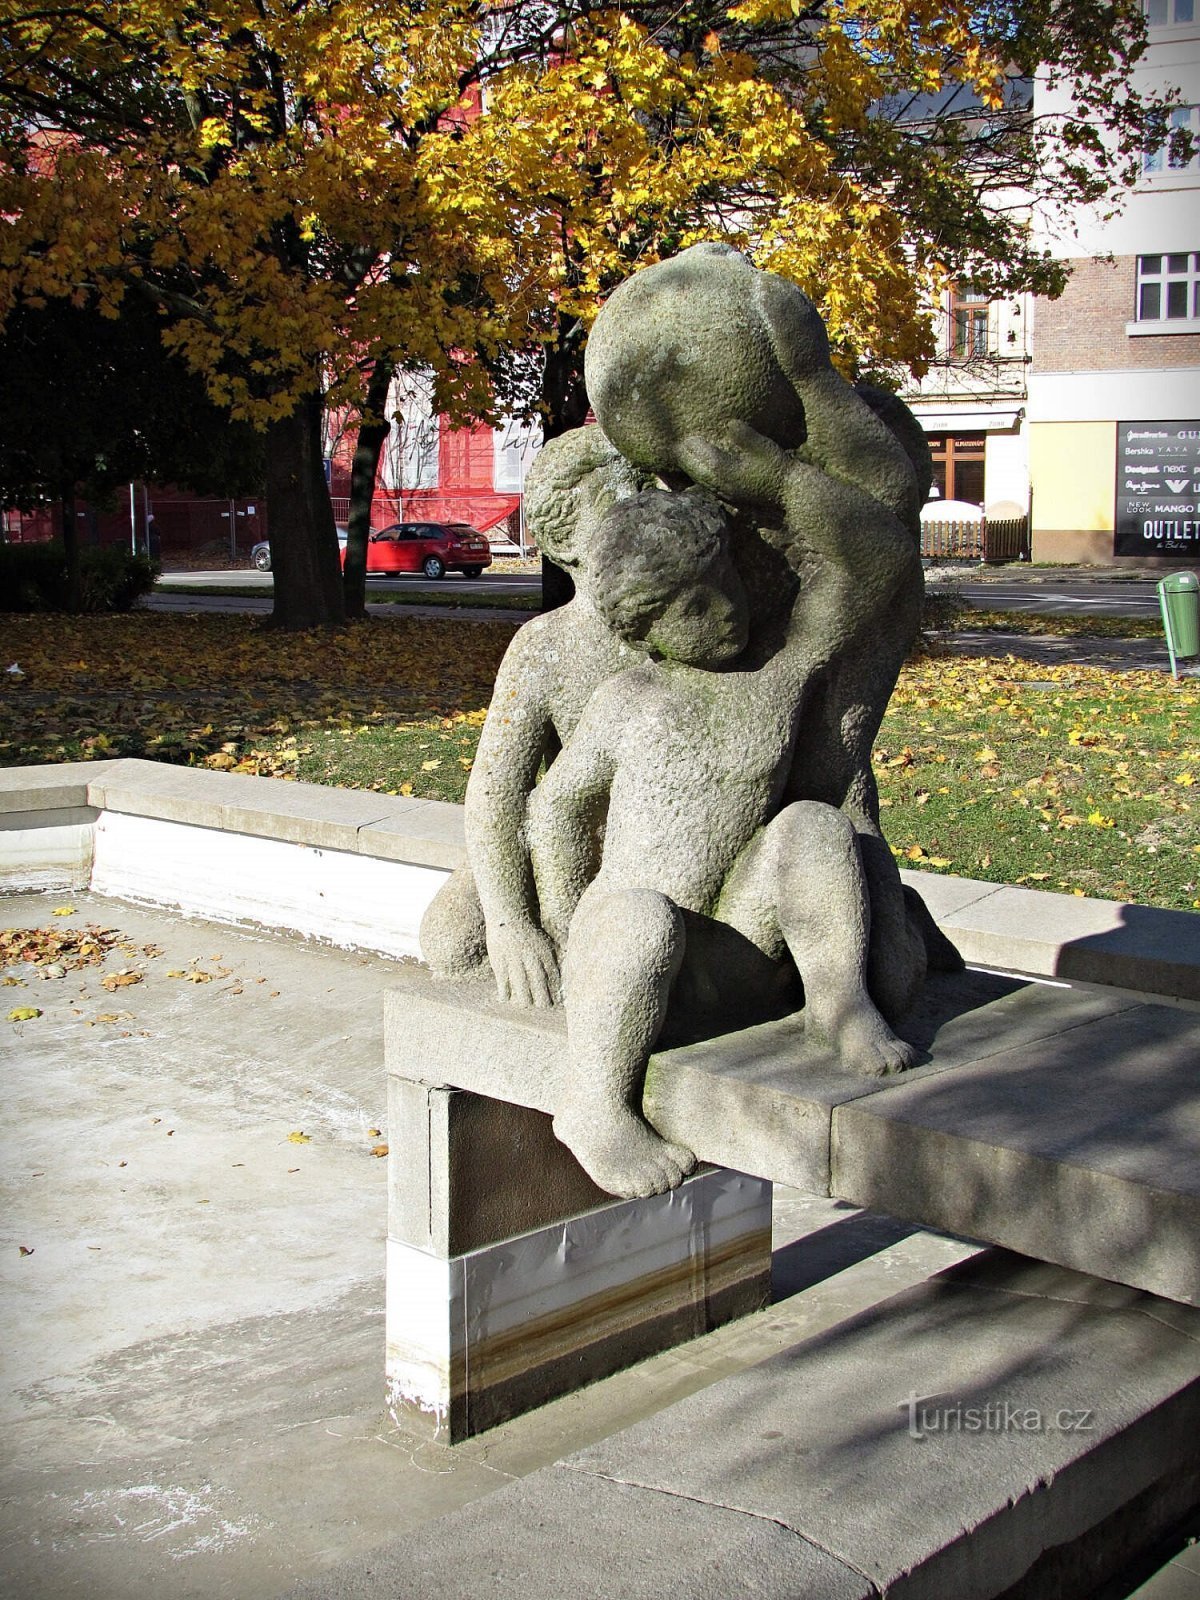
(1074, 779)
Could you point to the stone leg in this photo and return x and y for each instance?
(512, 1279)
(801, 884)
(623, 953)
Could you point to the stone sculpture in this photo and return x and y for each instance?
(706, 848)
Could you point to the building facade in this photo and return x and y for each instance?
(1114, 385)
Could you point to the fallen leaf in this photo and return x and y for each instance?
(63, 911)
(430, 766)
(26, 1249)
(374, 1133)
(379, 1150)
(23, 1013)
(120, 980)
(299, 1138)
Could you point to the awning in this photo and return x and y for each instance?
(969, 421)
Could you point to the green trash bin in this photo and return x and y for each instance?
(1179, 597)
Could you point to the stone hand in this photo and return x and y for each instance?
(742, 465)
(525, 965)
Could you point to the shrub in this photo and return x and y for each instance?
(33, 577)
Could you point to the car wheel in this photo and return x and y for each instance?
(433, 567)
(263, 561)
(472, 572)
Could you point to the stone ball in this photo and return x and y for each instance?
(693, 343)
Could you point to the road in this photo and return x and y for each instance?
(204, 593)
(1125, 597)
(1057, 593)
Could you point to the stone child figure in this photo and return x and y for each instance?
(690, 359)
(696, 903)
(487, 911)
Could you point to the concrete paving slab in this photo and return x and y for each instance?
(196, 1407)
(430, 837)
(1083, 1149)
(304, 813)
(49, 788)
(1086, 941)
(1003, 1421)
(593, 1539)
(763, 1100)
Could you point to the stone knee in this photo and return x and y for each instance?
(814, 839)
(453, 937)
(632, 939)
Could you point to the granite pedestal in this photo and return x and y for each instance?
(511, 1278)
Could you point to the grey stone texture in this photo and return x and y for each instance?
(459, 1170)
(1061, 1121)
(1082, 1150)
(1093, 941)
(716, 688)
(1093, 1398)
(1004, 1423)
(556, 1534)
(62, 785)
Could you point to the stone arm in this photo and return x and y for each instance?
(844, 436)
(566, 813)
(515, 738)
(864, 554)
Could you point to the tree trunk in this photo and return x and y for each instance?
(70, 539)
(371, 437)
(565, 406)
(304, 550)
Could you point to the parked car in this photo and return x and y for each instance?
(260, 553)
(433, 548)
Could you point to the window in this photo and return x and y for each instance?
(958, 465)
(1162, 158)
(968, 313)
(1169, 13)
(1168, 287)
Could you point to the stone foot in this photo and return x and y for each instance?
(621, 1152)
(865, 1043)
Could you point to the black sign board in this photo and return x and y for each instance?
(1158, 489)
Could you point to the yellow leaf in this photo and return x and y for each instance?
(429, 766)
(1185, 780)
(23, 1013)
(1099, 820)
(63, 911)
(299, 1138)
(986, 754)
(120, 980)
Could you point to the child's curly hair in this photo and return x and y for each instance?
(646, 549)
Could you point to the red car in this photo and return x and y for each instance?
(429, 547)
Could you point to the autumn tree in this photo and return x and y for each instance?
(268, 175)
(305, 189)
(871, 150)
(89, 403)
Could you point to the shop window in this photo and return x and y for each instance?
(958, 466)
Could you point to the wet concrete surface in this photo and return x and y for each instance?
(191, 1272)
